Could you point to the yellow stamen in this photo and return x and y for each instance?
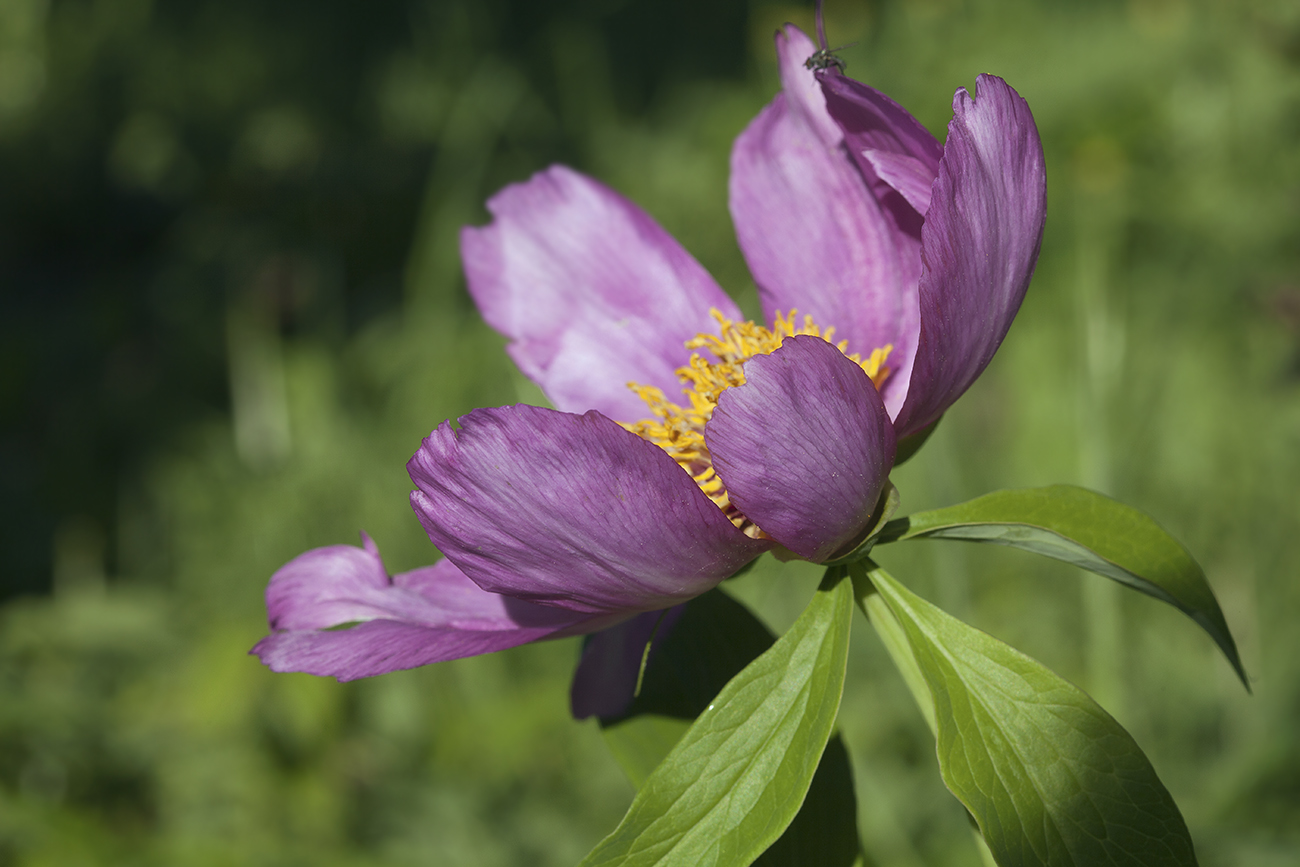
(679, 430)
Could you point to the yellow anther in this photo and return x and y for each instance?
(679, 430)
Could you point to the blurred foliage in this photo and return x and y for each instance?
(231, 306)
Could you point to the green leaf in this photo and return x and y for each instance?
(894, 637)
(1090, 531)
(729, 788)
(1050, 777)
(713, 640)
(825, 830)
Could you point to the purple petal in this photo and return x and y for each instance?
(428, 615)
(572, 511)
(908, 176)
(979, 245)
(814, 234)
(381, 646)
(804, 94)
(804, 446)
(591, 291)
(816, 241)
(327, 587)
(607, 673)
(896, 148)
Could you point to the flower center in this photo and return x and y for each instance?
(679, 430)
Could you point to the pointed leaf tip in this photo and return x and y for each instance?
(1091, 531)
(1049, 777)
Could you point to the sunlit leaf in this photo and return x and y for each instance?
(1050, 777)
(737, 778)
(894, 637)
(713, 640)
(1090, 531)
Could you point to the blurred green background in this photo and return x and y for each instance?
(231, 306)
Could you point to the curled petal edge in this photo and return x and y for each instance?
(432, 614)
